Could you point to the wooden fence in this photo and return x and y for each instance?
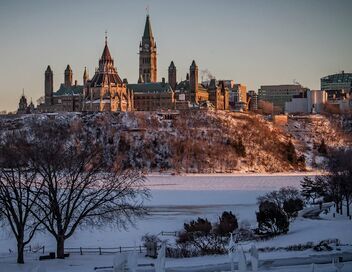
(104, 250)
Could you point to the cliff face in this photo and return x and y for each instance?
(309, 132)
(194, 141)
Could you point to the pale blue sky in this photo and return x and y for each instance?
(253, 42)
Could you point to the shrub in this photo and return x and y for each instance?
(291, 153)
(202, 226)
(150, 238)
(240, 148)
(227, 224)
(199, 235)
(272, 219)
(293, 206)
(322, 149)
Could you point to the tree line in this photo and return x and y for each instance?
(59, 177)
(335, 186)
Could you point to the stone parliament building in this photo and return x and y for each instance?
(106, 91)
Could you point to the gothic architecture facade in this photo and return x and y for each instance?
(106, 91)
(215, 95)
(66, 99)
(24, 107)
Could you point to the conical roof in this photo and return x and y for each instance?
(147, 29)
(172, 65)
(48, 69)
(106, 53)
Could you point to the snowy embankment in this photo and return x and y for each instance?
(177, 199)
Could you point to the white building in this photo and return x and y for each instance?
(312, 102)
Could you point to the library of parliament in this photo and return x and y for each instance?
(106, 91)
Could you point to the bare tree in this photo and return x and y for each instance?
(79, 186)
(339, 181)
(17, 197)
(280, 196)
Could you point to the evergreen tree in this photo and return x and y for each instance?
(272, 219)
(322, 149)
(291, 152)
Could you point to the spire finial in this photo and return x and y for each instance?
(22, 91)
(147, 10)
(106, 37)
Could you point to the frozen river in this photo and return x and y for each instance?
(175, 200)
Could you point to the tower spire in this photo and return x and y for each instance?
(85, 76)
(148, 33)
(106, 56)
(148, 54)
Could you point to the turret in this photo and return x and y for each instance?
(22, 105)
(48, 86)
(193, 81)
(85, 76)
(68, 76)
(172, 75)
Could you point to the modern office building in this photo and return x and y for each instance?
(337, 86)
(279, 94)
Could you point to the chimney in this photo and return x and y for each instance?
(76, 83)
(163, 80)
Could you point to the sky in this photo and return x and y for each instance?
(254, 42)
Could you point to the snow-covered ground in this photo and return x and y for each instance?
(176, 199)
(295, 261)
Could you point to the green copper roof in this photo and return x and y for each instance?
(73, 90)
(150, 87)
(147, 29)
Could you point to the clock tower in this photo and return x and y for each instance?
(148, 55)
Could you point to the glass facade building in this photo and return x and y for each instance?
(341, 81)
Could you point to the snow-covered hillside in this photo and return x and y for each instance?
(192, 142)
(309, 132)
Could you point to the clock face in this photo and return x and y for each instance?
(146, 46)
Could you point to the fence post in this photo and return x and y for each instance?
(120, 250)
(43, 249)
(80, 251)
(140, 249)
(99, 250)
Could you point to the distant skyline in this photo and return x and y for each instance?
(255, 42)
